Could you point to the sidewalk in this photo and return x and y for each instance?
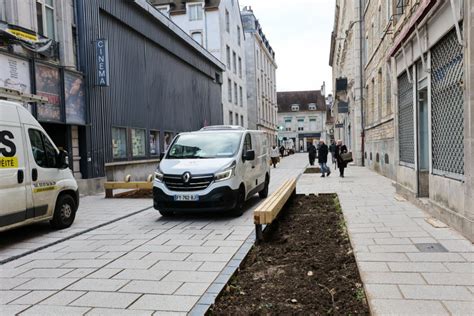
(402, 273)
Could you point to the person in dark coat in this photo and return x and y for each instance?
(341, 149)
(323, 151)
(311, 154)
(332, 150)
(282, 150)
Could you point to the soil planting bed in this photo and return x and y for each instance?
(312, 170)
(135, 194)
(305, 266)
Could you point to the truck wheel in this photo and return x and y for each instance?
(64, 212)
(264, 193)
(166, 213)
(239, 206)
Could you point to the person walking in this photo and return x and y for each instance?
(340, 149)
(311, 154)
(332, 150)
(282, 150)
(274, 155)
(323, 151)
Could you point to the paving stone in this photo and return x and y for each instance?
(460, 308)
(86, 263)
(382, 291)
(8, 284)
(151, 287)
(192, 289)
(392, 278)
(40, 310)
(48, 264)
(435, 292)
(393, 241)
(450, 278)
(9, 296)
(106, 299)
(106, 285)
(366, 266)
(407, 307)
(467, 267)
(33, 297)
(417, 267)
(165, 302)
(141, 274)
(45, 273)
(393, 248)
(117, 312)
(167, 256)
(212, 266)
(104, 273)
(383, 257)
(177, 265)
(8, 310)
(131, 264)
(195, 276)
(436, 257)
(184, 242)
(63, 298)
(46, 284)
(209, 257)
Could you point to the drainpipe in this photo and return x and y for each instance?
(362, 123)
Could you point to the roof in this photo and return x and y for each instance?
(180, 5)
(303, 98)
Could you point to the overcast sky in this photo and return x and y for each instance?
(299, 32)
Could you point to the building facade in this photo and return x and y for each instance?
(348, 77)
(302, 119)
(261, 77)
(216, 25)
(38, 55)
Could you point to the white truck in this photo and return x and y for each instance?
(36, 183)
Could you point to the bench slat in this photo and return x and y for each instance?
(261, 211)
(269, 209)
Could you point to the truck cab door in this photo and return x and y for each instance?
(13, 197)
(44, 172)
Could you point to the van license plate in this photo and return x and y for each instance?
(193, 197)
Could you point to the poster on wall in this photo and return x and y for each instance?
(15, 74)
(75, 99)
(48, 85)
(167, 138)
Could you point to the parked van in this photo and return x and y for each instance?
(215, 169)
(35, 181)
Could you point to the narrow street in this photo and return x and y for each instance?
(143, 262)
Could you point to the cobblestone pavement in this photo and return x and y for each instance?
(387, 234)
(139, 265)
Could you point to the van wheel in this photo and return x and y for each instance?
(239, 207)
(64, 212)
(264, 193)
(166, 213)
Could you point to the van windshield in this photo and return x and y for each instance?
(205, 146)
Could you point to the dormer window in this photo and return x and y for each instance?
(312, 106)
(295, 107)
(195, 12)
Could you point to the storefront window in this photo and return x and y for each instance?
(75, 99)
(119, 142)
(48, 85)
(154, 143)
(138, 142)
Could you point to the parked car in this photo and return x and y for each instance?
(215, 169)
(35, 181)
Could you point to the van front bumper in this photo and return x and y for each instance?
(219, 199)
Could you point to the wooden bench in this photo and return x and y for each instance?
(111, 186)
(266, 212)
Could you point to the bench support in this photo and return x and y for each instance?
(258, 232)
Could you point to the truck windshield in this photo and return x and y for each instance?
(205, 146)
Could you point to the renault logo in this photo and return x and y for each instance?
(186, 177)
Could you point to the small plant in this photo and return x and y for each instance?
(360, 294)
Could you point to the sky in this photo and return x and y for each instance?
(299, 32)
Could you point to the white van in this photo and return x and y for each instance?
(35, 181)
(215, 169)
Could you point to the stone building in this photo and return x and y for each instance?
(260, 66)
(302, 118)
(347, 74)
(217, 26)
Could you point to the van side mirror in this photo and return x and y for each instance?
(249, 155)
(162, 155)
(62, 160)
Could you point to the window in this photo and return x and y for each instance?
(380, 94)
(234, 58)
(197, 36)
(227, 21)
(240, 67)
(241, 93)
(195, 12)
(301, 124)
(388, 92)
(242, 121)
(238, 35)
(119, 143)
(138, 138)
(400, 4)
(295, 107)
(389, 10)
(227, 50)
(312, 106)
(288, 124)
(247, 143)
(231, 118)
(164, 9)
(236, 100)
(45, 18)
(43, 151)
(312, 124)
(229, 90)
(154, 143)
(236, 118)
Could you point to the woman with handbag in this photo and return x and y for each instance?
(341, 163)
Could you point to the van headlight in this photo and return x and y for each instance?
(226, 174)
(159, 175)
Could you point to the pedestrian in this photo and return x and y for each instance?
(274, 155)
(311, 154)
(282, 150)
(340, 149)
(332, 150)
(323, 151)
